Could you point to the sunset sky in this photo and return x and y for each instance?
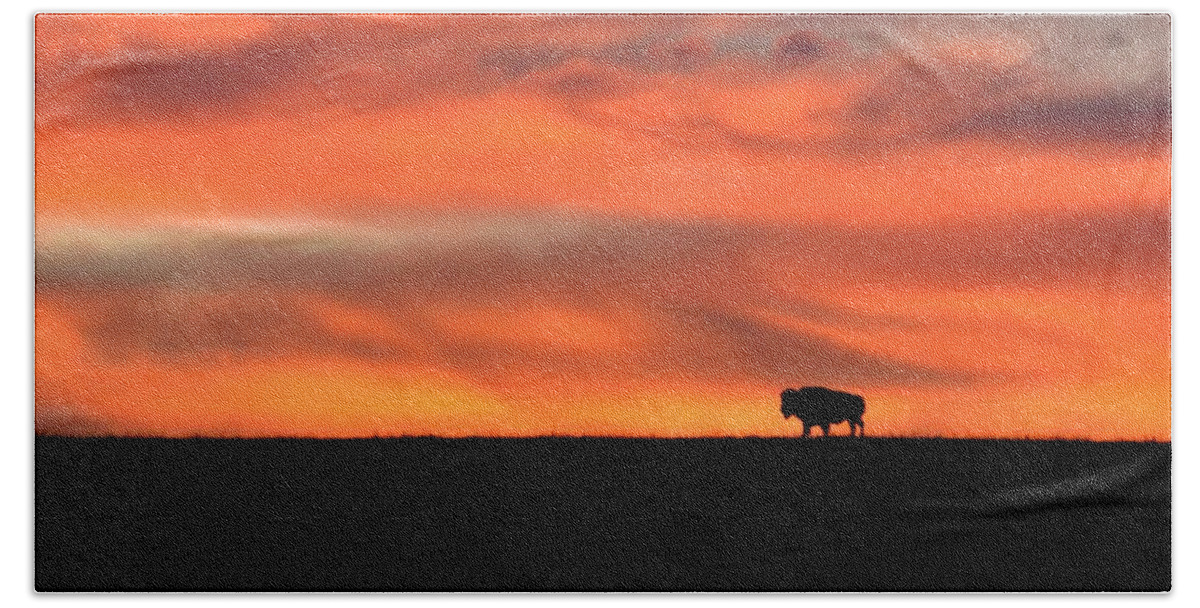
(347, 226)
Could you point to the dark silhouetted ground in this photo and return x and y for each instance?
(601, 514)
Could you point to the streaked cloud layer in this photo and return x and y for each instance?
(1042, 77)
(356, 225)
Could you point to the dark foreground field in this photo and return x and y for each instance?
(601, 514)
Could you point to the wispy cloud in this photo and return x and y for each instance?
(501, 252)
(1038, 79)
(704, 297)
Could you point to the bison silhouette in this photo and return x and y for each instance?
(820, 406)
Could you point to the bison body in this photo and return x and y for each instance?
(819, 406)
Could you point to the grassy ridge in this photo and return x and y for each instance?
(601, 514)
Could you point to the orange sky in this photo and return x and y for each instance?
(637, 225)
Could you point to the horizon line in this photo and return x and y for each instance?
(815, 439)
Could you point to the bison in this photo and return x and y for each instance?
(820, 406)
